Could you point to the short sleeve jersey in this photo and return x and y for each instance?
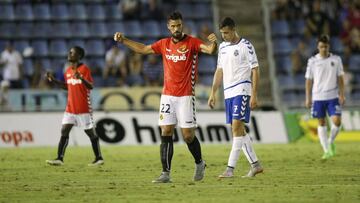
(78, 100)
(180, 62)
(324, 72)
(237, 61)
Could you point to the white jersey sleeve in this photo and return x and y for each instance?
(251, 55)
(340, 68)
(309, 69)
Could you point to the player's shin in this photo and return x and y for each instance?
(248, 150)
(166, 152)
(235, 151)
(333, 133)
(64, 140)
(323, 138)
(195, 149)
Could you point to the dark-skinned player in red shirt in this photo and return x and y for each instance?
(78, 112)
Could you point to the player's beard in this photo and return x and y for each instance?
(177, 35)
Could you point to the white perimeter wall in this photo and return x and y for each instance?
(130, 128)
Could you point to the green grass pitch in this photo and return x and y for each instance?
(293, 173)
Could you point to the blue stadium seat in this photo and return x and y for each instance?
(58, 48)
(95, 47)
(282, 46)
(187, 10)
(24, 30)
(3, 43)
(42, 29)
(45, 63)
(98, 29)
(286, 81)
(289, 97)
(336, 45)
(299, 80)
(24, 12)
(280, 28)
(40, 47)
(164, 32)
(57, 64)
(207, 64)
(113, 12)
(203, 10)
(79, 29)
(357, 79)
(7, 12)
(151, 28)
(77, 11)
(20, 45)
(59, 11)
(283, 64)
(98, 81)
(95, 11)
(76, 42)
(133, 28)
(42, 12)
(114, 26)
(354, 63)
(192, 26)
(297, 27)
(206, 79)
(28, 67)
(111, 81)
(7, 30)
(61, 29)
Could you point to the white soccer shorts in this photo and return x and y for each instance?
(84, 120)
(177, 111)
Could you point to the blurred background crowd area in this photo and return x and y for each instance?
(284, 33)
(295, 26)
(41, 33)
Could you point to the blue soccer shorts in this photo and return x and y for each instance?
(319, 108)
(237, 108)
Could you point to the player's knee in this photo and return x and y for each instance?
(65, 131)
(188, 138)
(166, 131)
(337, 122)
(322, 122)
(91, 134)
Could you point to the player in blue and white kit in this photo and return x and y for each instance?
(325, 77)
(238, 68)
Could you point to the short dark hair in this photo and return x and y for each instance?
(80, 51)
(227, 21)
(176, 15)
(324, 39)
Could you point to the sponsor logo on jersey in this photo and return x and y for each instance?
(176, 58)
(73, 81)
(182, 49)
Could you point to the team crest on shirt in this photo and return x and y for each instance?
(183, 49)
(161, 117)
(332, 63)
(236, 52)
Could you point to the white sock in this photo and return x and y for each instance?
(333, 133)
(323, 138)
(235, 151)
(249, 150)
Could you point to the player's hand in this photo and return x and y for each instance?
(342, 100)
(119, 36)
(212, 38)
(253, 102)
(307, 103)
(77, 75)
(211, 101)
(49, 76)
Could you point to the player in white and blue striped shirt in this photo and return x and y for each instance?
(238, 68)
(325, 77)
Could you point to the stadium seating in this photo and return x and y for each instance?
(52, 27)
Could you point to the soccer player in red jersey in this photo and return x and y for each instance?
(177, 104)
(78, 112)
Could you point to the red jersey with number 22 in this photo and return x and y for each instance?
(78, 101)
(180, 64)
